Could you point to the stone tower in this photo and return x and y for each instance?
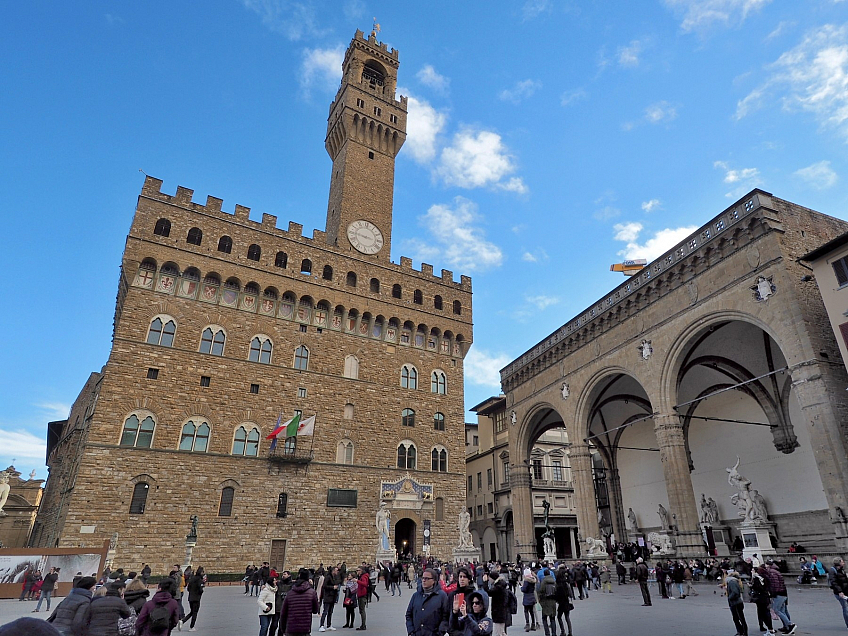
(365, 131)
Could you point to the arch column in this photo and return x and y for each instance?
(678, 483)
(617, 505)
(522, 511)
(584, 489)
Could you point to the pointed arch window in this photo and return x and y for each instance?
(408, 377)
(439, 460)
(438, 421)
(406, 455)
(344, 452)
(351, 367)
(162, 228)
(254, 252)
(212, 341)
(194, 236)
(225, 244)
(138, 433)
(438, 383)
(301, 358)
(246, 443)
(161, 331)
(225, 508)
(282, 504)
(139, 498)
(260, 350)
(195, 436)
(407, 417)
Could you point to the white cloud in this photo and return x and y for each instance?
(321, 67)
(353, 9)
(819, 175)
(521, 91)
(780, 29)
(533, 8)
(476, 159)
(295, 20)
(531, 257)
(484, 369)
(114, 20)
(457, 238)
(650, 206)
(811, 77)
(655, 246)
(542, 302)
(423, 125)
(628, 56)
(660, 112)
(702, 14)
(735, 176)
(573, 96)
(606, 213)
(55, 410)
(429, 77)
(23, 445)
(627, 231)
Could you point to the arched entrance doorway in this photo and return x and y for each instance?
(405, 537)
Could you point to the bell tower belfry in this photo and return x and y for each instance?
(365, 131)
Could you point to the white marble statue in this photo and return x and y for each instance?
(709, 511)
(465, 538)
(4, 491)
(660, 543)
(749, 502)
(548, 543)
(663, 513)
(382, 523)
(631, 517)
(595, 547)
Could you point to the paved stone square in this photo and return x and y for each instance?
(225, 610)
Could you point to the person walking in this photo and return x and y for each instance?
(642, 575)
(563, 598)
(547, 600)
(499, 603)
(145, 573)
(605, 578)
(105, 611)
(760, 597)
(779, 597)
(136, 594)
(394, 577)
(29, 581)
(70, 616)
(161, 614)
(267, 600)
(472, 616)
(179, 584)
(528, 601)
(621, 571)
(300, 604)
(428, 611)
(838, 581)
(47, 589)
(329, 598)
(195, 591)
(687, 582)
(734, 599)
(284, 586)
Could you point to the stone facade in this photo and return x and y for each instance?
(20, 508)
(721, 343)
(299, 324)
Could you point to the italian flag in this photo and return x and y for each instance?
(294, 427)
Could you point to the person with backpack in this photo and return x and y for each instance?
(105, 611)
(564, 596)
(547, 599)
(161, 614)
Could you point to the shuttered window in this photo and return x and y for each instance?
(840, 268)
(226, 507)
(139, 498)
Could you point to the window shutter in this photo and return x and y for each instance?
(840, 268)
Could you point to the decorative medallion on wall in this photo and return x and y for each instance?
(692, 288)
(764, 289)
(564, 390)
(513, 418)
(646, 349)
(406, 488)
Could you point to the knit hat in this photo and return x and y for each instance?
(303, 574)
(86, 582)
(28, 627)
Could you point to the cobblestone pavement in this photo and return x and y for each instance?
(226, 611)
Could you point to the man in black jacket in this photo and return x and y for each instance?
(71, 614)
(47, 588)
(642, 574)
(427, 613)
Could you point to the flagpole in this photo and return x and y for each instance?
(311, 448)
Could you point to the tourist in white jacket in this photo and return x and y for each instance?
(266, 605)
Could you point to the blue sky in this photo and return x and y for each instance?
(546, 141)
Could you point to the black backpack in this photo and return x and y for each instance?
(550, 590)
(160, 619)
(512, 602)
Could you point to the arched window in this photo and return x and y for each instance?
(252, 288)
(440, 509)
(260, 349)
(408, 377)
(439, 460)
(348, 411)
(406, 455)
(161, 331)
(301, 358)
(225, 244)
(195, 436)
(225, 508)
(254, 252)
(306, 266)
(418, 297)
(438, 421)
(195, 236)
(281, 260)
(282, 504)
(212, 341)
(437, 302)
(438, 383)
(457, 307)
(138, 434)
(344, 452)
(351, 279)
(162, 227)
(351, 367)
(327, 273)
(375, 286)
(139, 498)
(396, 292)
(407, 417)
(246, 442)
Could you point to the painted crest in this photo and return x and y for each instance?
(513, 418)
(764, 289)
(564, 391)
(646, 349)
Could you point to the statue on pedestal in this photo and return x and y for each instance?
(750, 503)
(709, 511)
(382, 523)
(4, 491)
(663, 513)
(595, 548)
(631, 518)
(548, 543)
(465, 538)
(192, 534)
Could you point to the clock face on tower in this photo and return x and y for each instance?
(365, 237)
